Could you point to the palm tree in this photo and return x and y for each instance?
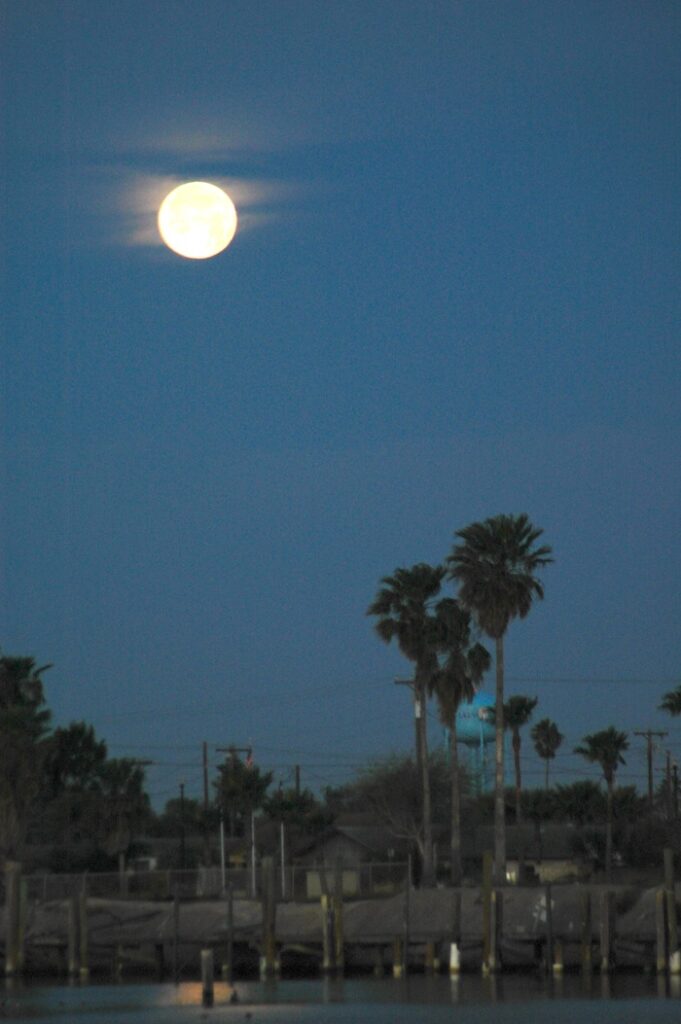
(495, 566)
(546, 737)
(24, 728)
(461, 671)
(517, 713)
(671, 702)
(605, 748)
(403, 606)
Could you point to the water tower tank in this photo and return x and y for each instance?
(475, 721)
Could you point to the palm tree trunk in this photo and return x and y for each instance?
(456, 871)
(518, 783)
(427, 878)
(608, 833)
(499, 809)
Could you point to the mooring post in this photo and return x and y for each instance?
(207, 977)
(398, 957)
(495, 911)
(12, 910)
(83, 951)
(407, 918)
(549, 930)
(586, 958)
(672, 924)
(72, 962)
(176, 938)
(327, 933)
(268, 961)
(228, 966)
(487, 867)
(23, 921)
(607, 930)
(455, 940)
(338, 936)
(660, 931)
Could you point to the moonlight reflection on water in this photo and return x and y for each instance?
(516, 999)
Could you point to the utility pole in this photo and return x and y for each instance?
(206, 834)
(648, 735)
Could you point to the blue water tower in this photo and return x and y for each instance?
(475, 731)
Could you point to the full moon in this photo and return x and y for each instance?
(197, 220)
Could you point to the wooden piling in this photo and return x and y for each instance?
(660, 931)
(207, 977)
(487, 868)
(338, 934)
(398, 957)
(72, 946)
(228, 965)
(12, 912)
(268, 964)
(429, 958)
(455, 936)
(379, 964)
(83, 946)
(495, 910)
(585, 940)
(23, 922)
(549, 930)
(327, 933)
(672, 924)
(607, 931)
(407, 919)
(176, 939)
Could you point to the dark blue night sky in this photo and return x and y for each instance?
(455, 291)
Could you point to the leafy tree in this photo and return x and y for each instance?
(462, 668)
(298, 809)
(241, 788)
(517, 713)
(581, 802)
(495, 565)
(70, 802)
(671, 702)
(124, 805)
(547, 738)
(606, 748)
(403, 607)
(391, 790)
(24, 727)
(178, 815)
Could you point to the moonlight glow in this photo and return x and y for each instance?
(197, 220)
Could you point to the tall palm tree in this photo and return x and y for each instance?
(606, 748)
(495, 565)
(546, 737)
(404, 609)
(463, 665)
(671, 702)
(517, 713)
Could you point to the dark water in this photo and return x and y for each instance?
(514, 999)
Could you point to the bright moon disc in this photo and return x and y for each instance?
(197, 220)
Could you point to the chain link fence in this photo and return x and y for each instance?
(295, 882)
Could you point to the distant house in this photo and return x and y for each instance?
(368, 857)
(548, 852)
